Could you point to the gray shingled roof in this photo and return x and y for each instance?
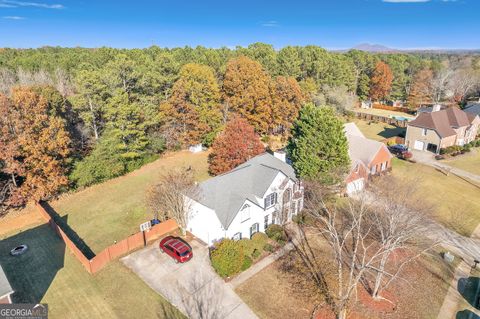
(473, 109)
(227, 192)
(360, 148)
(5, 288)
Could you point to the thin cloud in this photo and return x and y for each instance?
(13, 18)
(405, 1)
(14, 4)
(270, 24)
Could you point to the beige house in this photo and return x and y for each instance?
(436, 128)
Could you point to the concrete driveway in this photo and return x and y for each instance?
(194, 288)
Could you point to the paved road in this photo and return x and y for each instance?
(194, 288)
(428, 158)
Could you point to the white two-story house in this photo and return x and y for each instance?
(246, 200)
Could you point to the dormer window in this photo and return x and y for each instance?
(245, 213)
(424, 132)
(270, 200)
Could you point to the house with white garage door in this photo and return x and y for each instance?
(367, 158)
(436, 128)
(246, 200)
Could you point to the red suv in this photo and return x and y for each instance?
(177, 248)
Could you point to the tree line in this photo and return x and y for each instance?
(108, 111)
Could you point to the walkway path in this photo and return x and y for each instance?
(469, 249)
(429, 159)
(256, 268)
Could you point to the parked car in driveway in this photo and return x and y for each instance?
(177, 248)
(400, 150)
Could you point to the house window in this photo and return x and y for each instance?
(237, 236)
(253, 229)
(384, 166)
(265, 222)
(424, 132)
(245, 213)
(374, 170)
(270, 200)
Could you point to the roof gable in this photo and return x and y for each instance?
(226, 193)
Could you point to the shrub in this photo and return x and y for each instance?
(268, 248)
(276, 233)
(256, 253)
(227, 258)
(247, 262)
(257, 243)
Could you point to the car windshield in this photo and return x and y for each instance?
(185, 253)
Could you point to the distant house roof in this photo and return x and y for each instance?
(5, 288)
(226, 193)
(473, 109)
(443, 121)
(361, 148)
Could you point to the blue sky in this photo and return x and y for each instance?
(333, 24)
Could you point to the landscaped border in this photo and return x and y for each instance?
(97, 261)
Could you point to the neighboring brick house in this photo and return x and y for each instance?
(6, 290)
(368, 158)
(436, 128)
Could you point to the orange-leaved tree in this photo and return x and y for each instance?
(288, 98)
(193, 108)
(420, 91)
(247, 90)
(234, 146)
(381, 81)
(34, 146)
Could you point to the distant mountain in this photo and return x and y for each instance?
(373, 48)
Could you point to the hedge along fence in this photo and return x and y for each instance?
(100, 260)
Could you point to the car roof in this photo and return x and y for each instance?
(177, 244)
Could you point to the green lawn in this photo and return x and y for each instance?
(455, 202)
(378, 131)
(114, 210)
(386, 113)
(469, 162)
(49, 273)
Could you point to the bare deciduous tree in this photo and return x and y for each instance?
(439, 85)
(7, 81)
(463, 82)
(171, 197)
(400, 221)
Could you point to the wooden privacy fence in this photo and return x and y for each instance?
(383, 119)
(114, 251)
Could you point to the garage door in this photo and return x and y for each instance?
(355, 186)
(419, 145)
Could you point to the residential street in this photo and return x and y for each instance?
(193, 287)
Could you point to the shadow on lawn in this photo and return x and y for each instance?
(391, 132)
(62, 222)
(468, 288)
(466, 314)
(32, 273)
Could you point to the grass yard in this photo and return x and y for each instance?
(469, 162)
(386, 113)
(114, 210)
(378, 131)
(49, 273)
(421, 297)
(456, 202)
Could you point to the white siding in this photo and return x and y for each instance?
(204, 224)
